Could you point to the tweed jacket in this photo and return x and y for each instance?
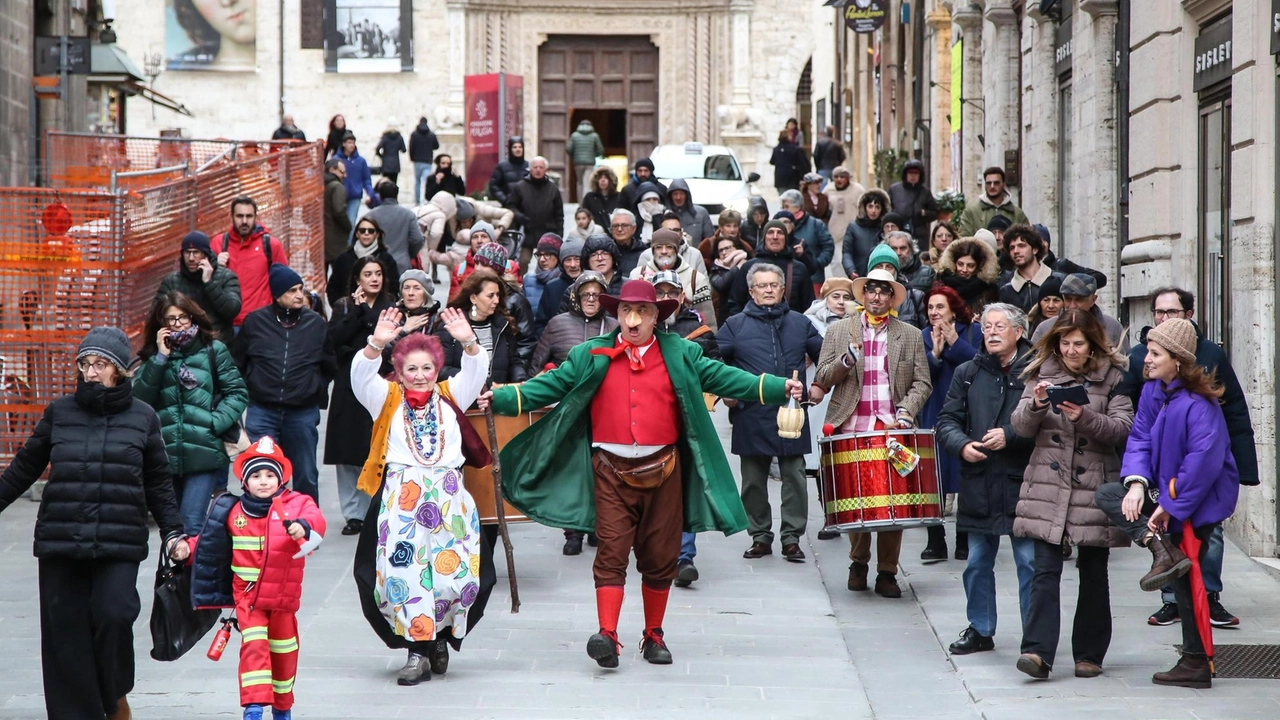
(909, 383)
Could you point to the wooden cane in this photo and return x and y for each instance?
(501, 510)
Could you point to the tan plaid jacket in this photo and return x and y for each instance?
(909, 383)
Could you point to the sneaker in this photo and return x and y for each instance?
(1218, 615)
(686, 573)
(252, 712)
(1166, 615)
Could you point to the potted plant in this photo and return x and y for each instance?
(950, 203)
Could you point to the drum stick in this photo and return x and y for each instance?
(502, 511)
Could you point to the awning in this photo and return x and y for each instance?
(109, 64)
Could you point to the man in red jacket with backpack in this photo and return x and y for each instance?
(249, 251)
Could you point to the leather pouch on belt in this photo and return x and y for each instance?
(651, 473)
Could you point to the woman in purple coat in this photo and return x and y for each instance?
(1178, 475)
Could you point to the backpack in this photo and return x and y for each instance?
(221, 239)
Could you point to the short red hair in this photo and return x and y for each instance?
(417, 342)
(958, 306)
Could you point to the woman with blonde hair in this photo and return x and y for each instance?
(1074, 455)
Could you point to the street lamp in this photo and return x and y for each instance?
(152, 65)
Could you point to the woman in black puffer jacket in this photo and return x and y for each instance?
(481, 297)
(108, 468)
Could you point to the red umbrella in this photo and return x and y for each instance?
(1199, 598)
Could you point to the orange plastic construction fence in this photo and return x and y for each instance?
(93, 249)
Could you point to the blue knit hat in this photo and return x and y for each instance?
(280, 278)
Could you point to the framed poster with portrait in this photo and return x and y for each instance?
(368, 36)
(217, 35)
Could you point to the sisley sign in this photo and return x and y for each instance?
(1212, 55)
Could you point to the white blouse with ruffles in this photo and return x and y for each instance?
(371, 390)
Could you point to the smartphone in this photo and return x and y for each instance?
(1059, 394)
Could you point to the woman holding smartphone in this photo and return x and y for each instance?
(1075, 454)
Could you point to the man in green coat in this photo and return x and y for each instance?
(631, 453)
(583, 148)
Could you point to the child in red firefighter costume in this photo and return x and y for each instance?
(631, 454)
(250, 556)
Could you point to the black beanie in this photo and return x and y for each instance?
(196, 240)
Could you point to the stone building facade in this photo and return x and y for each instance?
(727, 70)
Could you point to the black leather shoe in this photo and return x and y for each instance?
(686, 573)
(573, 545)
(962, 553)
(655, 648)
(593, 540)
(353, 527)
(933, 553)
(440, 658)
(793, 553)
(757, 551)
(971, 642)
(603, 648)
(825, 534)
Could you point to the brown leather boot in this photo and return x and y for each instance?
(1168, 563)
(857, 576)
(123, 712)
(1192, 671)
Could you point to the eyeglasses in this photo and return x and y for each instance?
(621, 226)
(599, 254)
(1168, 313)
(98, 366)
(366, 231)
(996, 328)
(178, 320)
(589, 296)
(877, 290)
(668, 294)
(768, 286)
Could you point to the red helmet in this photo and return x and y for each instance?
(265, 453)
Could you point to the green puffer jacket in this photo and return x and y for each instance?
(192, 429)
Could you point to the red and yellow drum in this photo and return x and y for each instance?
(861, 492)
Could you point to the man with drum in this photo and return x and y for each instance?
(974, 425)
(875, 367)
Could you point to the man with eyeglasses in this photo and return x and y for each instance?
(775, 251)
(249, 251)
(995, 200)
(769, 337)
(214, 288)
(875, 368)
(1080, 292)
(974, 425)
(622, 228)
(1166, 304)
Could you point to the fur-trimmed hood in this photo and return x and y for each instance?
(873, 194)
(988, 265)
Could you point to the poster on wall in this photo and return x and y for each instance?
(494, 112)
(203, 35)
(368, 36)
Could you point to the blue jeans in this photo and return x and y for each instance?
(297, 430)
(194, 492)
(980, 579)
(1211, 568)
(826, 178)
(420, 172)
(353, 210)
(688, 546)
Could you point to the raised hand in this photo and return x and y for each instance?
(388, 327)
(455, 322)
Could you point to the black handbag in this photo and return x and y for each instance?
(176, 626)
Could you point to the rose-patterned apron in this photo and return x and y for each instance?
(428, 559)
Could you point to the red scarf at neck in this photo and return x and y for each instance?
(417, 399)
(632, 351)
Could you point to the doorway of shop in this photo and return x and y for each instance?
(610, 125)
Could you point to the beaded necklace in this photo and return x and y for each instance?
(423, 426)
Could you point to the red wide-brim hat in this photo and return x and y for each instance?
(639, 291)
